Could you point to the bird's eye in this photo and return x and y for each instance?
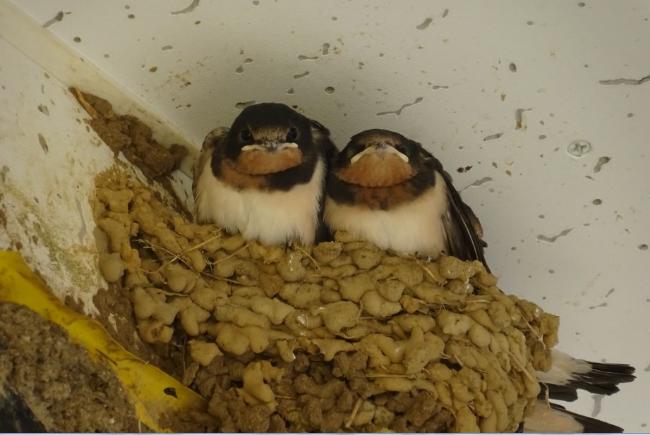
(245, 135)
(292, 134)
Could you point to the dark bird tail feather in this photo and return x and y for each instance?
(553, 418)
(568, 374)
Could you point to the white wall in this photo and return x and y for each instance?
(378, 60)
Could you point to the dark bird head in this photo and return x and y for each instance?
(379, 158)
(269, 138)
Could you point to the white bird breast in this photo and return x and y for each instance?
(271, 217)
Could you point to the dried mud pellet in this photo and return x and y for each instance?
(111, 266)
(117, 200)
(191, 317)
(341, 260)
(301, 295)
(396, 384)
(241, 316)
(154, 331)
(499, 315)
(290, 268)
(444, 394)
(232, 243)
(459, 391)
(434, 294)
(391, 289)
(179, 279)
(271, 284)
(454, 268)
(203, 352)
(329, 347)
(274, 309)
(208, 297)
(101, 240)
(411, 304)
(466, 421)
(383, 417)
(376, 305)
(485, 279)
(343, 237)
(366, 258)
(327, 295)
(454, 323)
(420, 350)
(196, 260)
(439, 372)
(365, 414)
(117, 233)
(479, 335)
(409, 273)
(354, 287)
(257, 391)
(408, 322)
(339, 315)
(459, 287)
(136, 279)
(381, 272)
(286, 350)
(225, 267)
(489, 423)
(500, 409)
(327, 251)
(482, 317)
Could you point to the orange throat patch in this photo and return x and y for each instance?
(259, 162)
(373, 170)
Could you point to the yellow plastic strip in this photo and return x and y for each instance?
(144, 383)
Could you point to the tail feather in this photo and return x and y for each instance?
(553, 418)
(568, 373)
(565, 393)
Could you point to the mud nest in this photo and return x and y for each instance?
(339, 336)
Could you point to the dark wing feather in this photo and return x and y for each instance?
(463, 230)
(328, 150)
(209, 143)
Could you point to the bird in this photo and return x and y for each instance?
(389, 190)
(264, 177)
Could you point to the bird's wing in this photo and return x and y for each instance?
(568, 374)
(462, 228)
(209, 143)
(321, 137)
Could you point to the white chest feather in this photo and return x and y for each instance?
(414, 227)
(271, 217)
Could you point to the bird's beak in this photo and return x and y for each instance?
(270, 146)
(379, 149)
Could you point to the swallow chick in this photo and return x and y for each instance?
(387, 189)
(264, 177)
